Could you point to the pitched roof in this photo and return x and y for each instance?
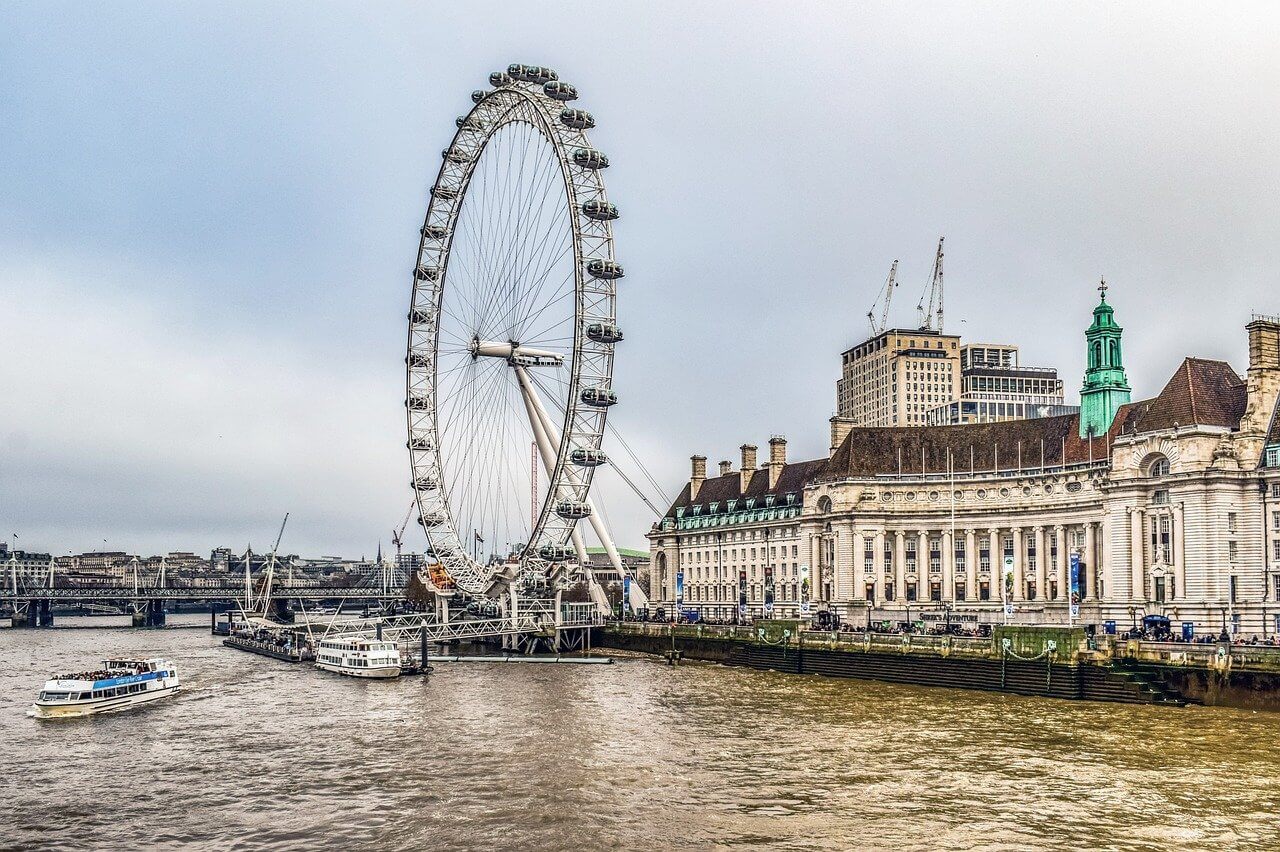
(722, 489)
(1201, 392)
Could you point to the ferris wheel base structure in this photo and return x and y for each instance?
(515, 274)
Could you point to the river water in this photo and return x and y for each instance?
(261, 754)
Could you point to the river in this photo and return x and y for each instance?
(260, 754)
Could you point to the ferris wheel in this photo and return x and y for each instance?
(512, 330)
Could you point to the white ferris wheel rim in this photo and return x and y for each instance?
(523, 100)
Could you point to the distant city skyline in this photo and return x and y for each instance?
(208, 221)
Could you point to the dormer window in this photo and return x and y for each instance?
(768, 500)
(1159, 467)
(712, 507)
(733, 504)
(751, 503)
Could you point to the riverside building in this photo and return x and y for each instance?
(995, 387)
(1169, 505)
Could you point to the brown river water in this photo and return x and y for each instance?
(259, 754)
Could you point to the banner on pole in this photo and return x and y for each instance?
(742, 594)
(768, 590)
(679, 593)
(626, 595)
(804, 589)
(1075, 586)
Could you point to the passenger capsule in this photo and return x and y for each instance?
(499, 78)
(606, 270)
(455, 156)
(424, 483)
(590, 158)
(418, 442)
(466, 122)
(418, 359)
(419, 403)
(432, 519)
(427, 273)
(599, 397)
(601, 211)
(559, 90)
(478, 95)
(419, 316)
(532, 73)
(604, 333)
(572, 510)
(445, 192)
(588, 458)
(433, 232)
(556, 553)
(578, 119)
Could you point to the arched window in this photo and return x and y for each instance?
(1157, 467)
(824, 504)
(1097, 355)
(1114, 353)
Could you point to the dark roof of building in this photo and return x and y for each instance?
(1273, 435)
(1201, 392)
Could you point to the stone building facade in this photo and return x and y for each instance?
(1168, 505)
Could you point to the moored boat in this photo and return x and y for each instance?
(118, 685)
(359, 657)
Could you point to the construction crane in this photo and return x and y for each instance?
(932, 292)
(397, 535)
(886, 294)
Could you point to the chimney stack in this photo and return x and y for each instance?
(1262, 382)
(748, 465)
(698, 475)
(777, 458)
(726, 467)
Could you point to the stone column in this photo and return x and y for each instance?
(1019, 571)
(948, 566)
(859, 574)
(1060, 534)
(900, 565)
(971, 564)
(1179, 559)
(1042, 559)
(997, 564)
(922, 566)
(1106, 556)
(878, 563)
(1137, 561)
(1090, 553)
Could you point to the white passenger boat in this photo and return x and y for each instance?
(118, 685)
(359, 657)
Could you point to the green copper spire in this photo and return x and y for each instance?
(1105, 386)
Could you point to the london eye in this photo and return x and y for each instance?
(512, 333)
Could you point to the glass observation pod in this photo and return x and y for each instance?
(427, 273)
(559, 90)
(588, 458)
(478, 95)
(604, 332)
(433, 232)
(601, 211)
(419, 316)
(607, 270)
(499, 78)
(432, 519)
(599, 397)
(418, 359)
(466, 123)
(572, 510)
(424, 483)
(417, 444)
(446, 192)
(454, 156)
(419, 403)
(556, 553)
(578, 119)
(532, 73)
(590, 158)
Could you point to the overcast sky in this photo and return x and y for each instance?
(208, 215)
